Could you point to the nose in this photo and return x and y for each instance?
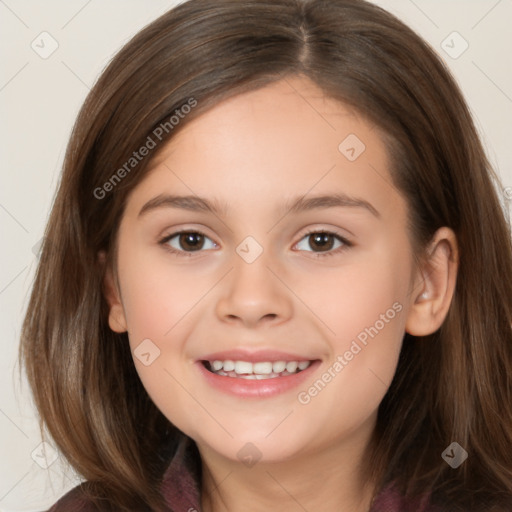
(252, 295)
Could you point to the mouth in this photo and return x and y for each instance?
(262, 370)
(256, 375)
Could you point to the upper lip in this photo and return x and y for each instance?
(254, 356)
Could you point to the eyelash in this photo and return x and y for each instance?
(346, 244)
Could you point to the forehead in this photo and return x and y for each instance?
(279, 141)
(276, 117)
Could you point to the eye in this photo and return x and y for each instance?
(184, 242)
(323, 243)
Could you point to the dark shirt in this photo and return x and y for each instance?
(180, 488)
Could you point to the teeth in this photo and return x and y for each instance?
(262, 368)
(257, 371)
(279, 366)
(228, 366)
(217, 365)
(291, 367)
(243, 367)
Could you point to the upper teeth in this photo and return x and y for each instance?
(260, 368)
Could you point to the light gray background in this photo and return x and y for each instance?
(39, 99)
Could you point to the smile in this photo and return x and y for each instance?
(255, 371)
(261, 375)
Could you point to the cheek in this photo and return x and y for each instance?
(354, 295)
(159, 300)
(347, 392)
(363, 307)
(158, 295)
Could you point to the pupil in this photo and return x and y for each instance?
(323, 240)
(195, 241)
(192, 241)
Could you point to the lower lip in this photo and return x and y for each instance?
(248, 388)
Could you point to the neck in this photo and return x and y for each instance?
(330, 479)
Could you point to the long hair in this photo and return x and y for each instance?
(454, 385)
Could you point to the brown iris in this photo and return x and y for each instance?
(191, 241)
(321, 241)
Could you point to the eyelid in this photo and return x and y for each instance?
(172, 231)
(346, 244)
(327, 230)
(165, 239)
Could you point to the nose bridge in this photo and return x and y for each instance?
(253, 292)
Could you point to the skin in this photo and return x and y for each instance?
(254, 152)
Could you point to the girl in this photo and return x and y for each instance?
(276, 274)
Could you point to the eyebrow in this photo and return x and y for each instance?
(296, 205)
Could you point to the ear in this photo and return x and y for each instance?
(116, 316)
(435, 285)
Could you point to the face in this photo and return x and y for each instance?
(276, 317)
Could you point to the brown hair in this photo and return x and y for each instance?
(455, 385)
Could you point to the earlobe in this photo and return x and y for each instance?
(116, 315)
(435, 286)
